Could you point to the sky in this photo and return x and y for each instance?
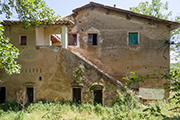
(65, 7)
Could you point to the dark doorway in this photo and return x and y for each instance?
(2, 94)
(98, 96)
(77, 95)
(30, 94)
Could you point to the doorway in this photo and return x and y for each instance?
(77, 95)
(30, 94)
(2, 94)
(98, 97)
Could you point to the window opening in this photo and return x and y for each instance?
(55, 39)
(98, 97)
(134, 85)
(30, 94)
(77, 95)
(2, 94)
(92, 39)
(133, 38)
(72, 39)
(23, 40)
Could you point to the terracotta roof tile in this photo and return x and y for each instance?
(58, 21)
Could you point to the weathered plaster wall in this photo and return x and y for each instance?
(113, 54)
(54, 66)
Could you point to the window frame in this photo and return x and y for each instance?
(80, 87)
(20, 39)
(137, 36)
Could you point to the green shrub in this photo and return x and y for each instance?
(10, 105)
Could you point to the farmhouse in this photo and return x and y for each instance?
(109, 42)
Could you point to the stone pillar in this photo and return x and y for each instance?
(64, 37)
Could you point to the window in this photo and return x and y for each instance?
(72, 39)
(23, 40)
(92, 39)
(2, 94)
(133, 38)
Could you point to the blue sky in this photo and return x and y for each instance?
(65, 7)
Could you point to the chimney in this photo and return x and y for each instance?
(114, 5)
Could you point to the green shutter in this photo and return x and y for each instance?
(133, 38)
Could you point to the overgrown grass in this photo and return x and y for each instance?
(125, 107)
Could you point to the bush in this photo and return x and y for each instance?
(10, 105)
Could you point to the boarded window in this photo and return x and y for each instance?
(30, 94)
(133, 38)
(23, 40)
(72, 39)
(92, 39)
(77, 95)
(98, 96)
(2, 94)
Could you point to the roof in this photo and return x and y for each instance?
(171, 24)
(59, 21)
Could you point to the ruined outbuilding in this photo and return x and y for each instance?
(108, 41)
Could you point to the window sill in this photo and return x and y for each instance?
(134, 47)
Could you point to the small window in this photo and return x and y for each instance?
(92, 39)
(72, 39)
(133, 38)
(23, 40)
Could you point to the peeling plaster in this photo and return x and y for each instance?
(149, 93)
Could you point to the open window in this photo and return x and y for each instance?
(2, 94)
(133, 38)
(23, 40)
(72, 39)
(76, 95)
(92, 39)
(55, 39)
(30, 94)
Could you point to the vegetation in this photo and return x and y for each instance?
(8, 54)
(125, 107)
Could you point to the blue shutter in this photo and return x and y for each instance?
(133, 38)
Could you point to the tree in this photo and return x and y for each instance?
(31, 12)
(155, 8)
